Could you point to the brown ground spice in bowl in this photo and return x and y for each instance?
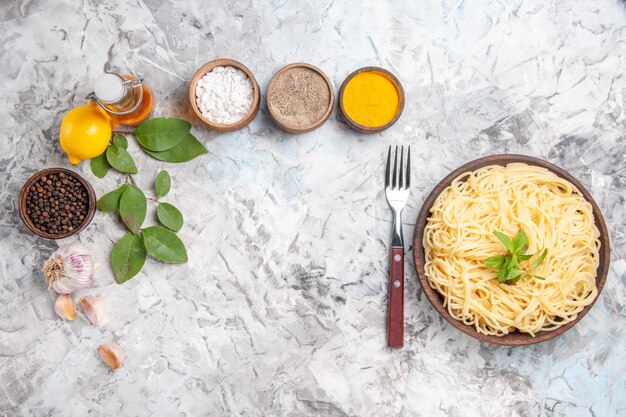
(298, 98)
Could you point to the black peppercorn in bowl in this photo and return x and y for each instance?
(56, 203)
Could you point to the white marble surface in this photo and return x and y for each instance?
(281, 309)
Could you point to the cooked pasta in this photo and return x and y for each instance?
(554, 215)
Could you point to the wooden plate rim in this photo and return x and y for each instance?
(91, 210)
(366, 129)
(515, 338)
(327, 113)
(256, 100)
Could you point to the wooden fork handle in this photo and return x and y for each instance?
(395, 323)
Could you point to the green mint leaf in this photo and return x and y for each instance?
(170, 216)
(164, 245)
(505, 241)
(519, 241)
(111, 201)
(513, 274)
(99, 165)
(502, 275)
(509, 264)
(162, 183)
(120, 140)
(514, 280)
(186, 150)
(504, 270)
(539, 260)
(523, 257)
(133, 206)
(128, 257)
(120, 159)
(161, 133)
(495, 262)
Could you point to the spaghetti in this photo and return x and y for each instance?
(554, 215)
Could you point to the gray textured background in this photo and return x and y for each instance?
(281, 309)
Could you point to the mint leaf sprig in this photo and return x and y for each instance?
(507, 266)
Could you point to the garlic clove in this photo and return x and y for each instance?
(93, 308)
(112, 354)
(64, 307)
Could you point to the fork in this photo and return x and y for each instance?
(397, 183)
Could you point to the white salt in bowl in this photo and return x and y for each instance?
(208, 67)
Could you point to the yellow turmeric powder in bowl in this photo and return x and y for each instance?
(371, 99)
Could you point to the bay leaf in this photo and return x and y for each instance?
(120, 159)
(99, 165)
(161, 133)
(170, 216)
(111, 201)
(162, 183)
(164, 245)
(186, 150)
(133, 206)
(128, 257)
(120, 140)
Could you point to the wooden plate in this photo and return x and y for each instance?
(91, 210)
(208, 67)
(516, 338)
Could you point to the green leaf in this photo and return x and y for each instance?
(523, 257)
(128, 257)
(133, 208)
(120, 159)
(164, 245)
(99, 165)
(538, 277)
(539, 260)
(162, 183)
(170, 216)
(510, 264)
(185, 151)
(161, 133)
(504, 270)
(111, 201)
(513, 274)
(495, 262)
(519, 241)
(505, 241)
(120, 140)
(502, 273)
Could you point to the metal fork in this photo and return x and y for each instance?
(397, 183)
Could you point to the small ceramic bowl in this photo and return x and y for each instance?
(293, 129)
(208, 67)
(91, 209)
(367, 129)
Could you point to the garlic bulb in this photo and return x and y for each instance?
(64, 307)
(93, 308)
(69, 268)
(112, 354)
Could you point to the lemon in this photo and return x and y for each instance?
(85, 132)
